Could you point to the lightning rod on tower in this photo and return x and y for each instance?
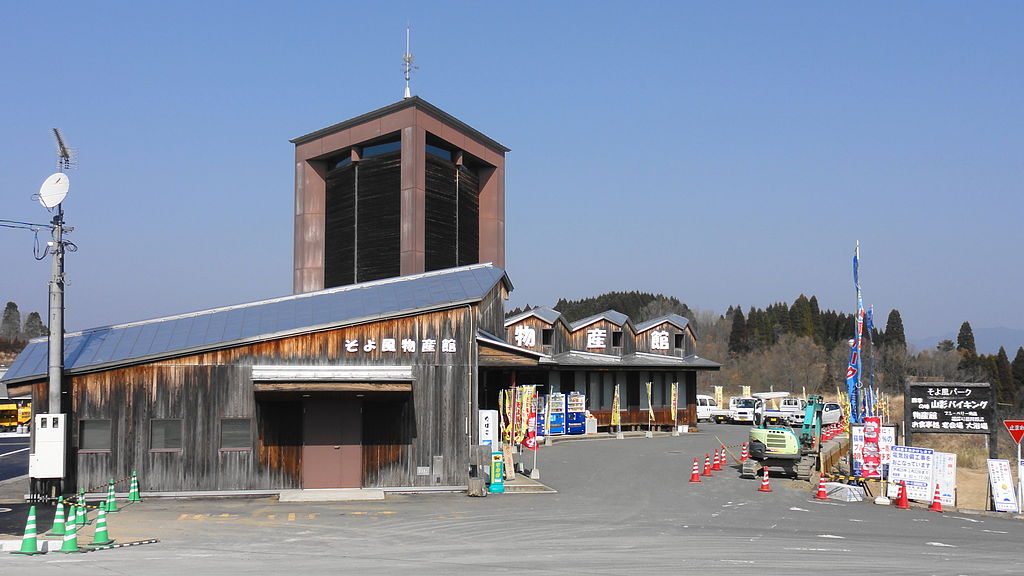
(407, 67)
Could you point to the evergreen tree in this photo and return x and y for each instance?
(944, 346)
(801, 318)
(894, 334)
(34, 326)
(965, 339)
(819, 333)
(738, 336)
(10, 325)
(1007, 391)
(1017, 369)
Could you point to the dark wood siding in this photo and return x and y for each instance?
(643, 340)
(402, 431)
(559, 335)
(578, 338)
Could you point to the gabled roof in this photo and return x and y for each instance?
(635, 360)
(484, 337)
(674, 319)
(414, 101)
(549, 315)
(124, 344)
(617, 318)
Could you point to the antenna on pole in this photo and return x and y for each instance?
(67, 158)
(407, 67)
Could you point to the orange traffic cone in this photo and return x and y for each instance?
(725, 461)
(743, 453)
(695, 475)
(716, 464)
(936, 501)
(902, 502)
(707, 465)
(765, 487)
(822, 492)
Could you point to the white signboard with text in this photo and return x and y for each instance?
(945, 476)
(489, 428)
(1001, 481)
(915, 467)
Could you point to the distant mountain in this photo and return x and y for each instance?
(987, 340)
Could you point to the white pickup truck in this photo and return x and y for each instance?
(741, 409)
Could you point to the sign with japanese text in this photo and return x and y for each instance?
(1001, 481)
(526, 337)
(395, 346)
(616, 417)
(596, 338)
(913, 466)
(945, 477)
(489, 427)
(659, 340)
(872, 453)
(886, 440)
(1015, 428)
(675, 402)
(952, 408)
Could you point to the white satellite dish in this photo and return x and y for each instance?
(54, 190)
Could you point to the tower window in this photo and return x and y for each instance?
(617, 339)
(546, 336)
(378, 149)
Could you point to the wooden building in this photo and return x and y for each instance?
(369, 385)
(595, 354)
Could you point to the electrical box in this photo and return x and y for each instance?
(51, 436)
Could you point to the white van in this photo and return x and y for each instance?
(705, 404)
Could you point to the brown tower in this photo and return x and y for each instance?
(401, 190)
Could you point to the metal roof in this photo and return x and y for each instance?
(484, 337)
(123, 344)
(549, 315)
(613, 316)
(636, 360)
(674, 319)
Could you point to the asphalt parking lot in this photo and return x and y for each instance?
(621, 506)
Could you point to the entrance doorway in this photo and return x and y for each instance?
(332, 453)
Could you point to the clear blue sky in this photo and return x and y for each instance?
(723, 153)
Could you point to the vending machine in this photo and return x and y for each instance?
(576, 413)
(556, 414)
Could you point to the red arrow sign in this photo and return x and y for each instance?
(1015, 428)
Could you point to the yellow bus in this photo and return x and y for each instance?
(14, 414)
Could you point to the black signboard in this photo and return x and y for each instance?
(949, 408)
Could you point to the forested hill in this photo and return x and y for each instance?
(758, 329)
(639, 306)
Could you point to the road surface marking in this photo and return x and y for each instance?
(795, 509)
(940, 544)
(14, 452)
(819, 549)
(831, 536)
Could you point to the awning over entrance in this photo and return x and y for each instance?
(332, 378)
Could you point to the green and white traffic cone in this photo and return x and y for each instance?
(82, 514)
(133, 491)
(111, 499)
(101, 538)
(70, 544)
(29, 545)
(58, 521)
